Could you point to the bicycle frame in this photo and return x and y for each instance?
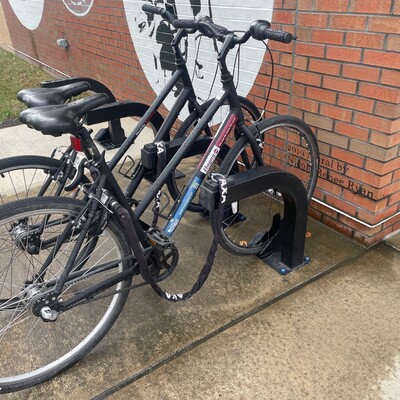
(187, 95)
(135, 230)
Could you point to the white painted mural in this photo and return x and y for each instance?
(151, 37)
(78, 7)
(29, 12)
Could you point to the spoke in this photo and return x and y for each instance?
(11, 325)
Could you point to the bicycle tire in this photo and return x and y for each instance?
(185, 169)
(245, 225)
(24, 176)
(30, 359)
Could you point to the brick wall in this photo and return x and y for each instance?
(5, 39)
(341, 76)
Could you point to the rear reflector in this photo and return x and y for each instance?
(76, 143)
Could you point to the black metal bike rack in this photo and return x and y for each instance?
(112, 136)
(285, 252)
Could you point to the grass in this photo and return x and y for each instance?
(16, 74)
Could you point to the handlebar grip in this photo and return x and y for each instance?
(208, 28)
(258, 28)
(153, 9)
(279, 36)
(185, 23)
(261, 30)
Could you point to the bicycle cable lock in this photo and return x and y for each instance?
(143, 266)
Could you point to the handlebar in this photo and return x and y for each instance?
(259, 29)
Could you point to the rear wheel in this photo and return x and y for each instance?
(33, 350)
(30, 176)
(251, 223)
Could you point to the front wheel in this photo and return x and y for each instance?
(32, 350)
(250, 224)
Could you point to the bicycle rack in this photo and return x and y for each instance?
(285, 252)
(112, 136)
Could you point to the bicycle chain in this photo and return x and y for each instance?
(100, 296)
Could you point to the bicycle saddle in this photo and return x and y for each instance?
(56, 120)
(35, 97)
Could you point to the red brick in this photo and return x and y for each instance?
(371, 121)
(309, 49)
(385, 140)
(378, 217)
(387, 190)
(395, 128)
(338, 226)
(370, 7)
(394, 199)
(283, 72)
(382, 58)
(352, 22)
(339, 84)
(355, 102)
(304, 34)
(351, 130)
(297, 113)
(283, 17)
(333, 6)
(381, 168)
(343, 54)
(283, 109)
(393, 43)
(324, 67)
(328, 187)
(347, 157)
(258, 91)
(305, 104)
(369, 241)
(362, 201)
(327, 36)
(379, 92)
(279, 97)
(388, 110)
(307, 5)
(309, 78)
(396, 8)
(338, 203)
(366, 40)
(313, 20)
(338, 113)
(300, 62)
(289, 4)
(321, 95)
(318, 121)
(390, 77)
(299, 89)
(360, 72)
(383, 24)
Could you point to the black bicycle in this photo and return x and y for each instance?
(59, 293)
(60, 174)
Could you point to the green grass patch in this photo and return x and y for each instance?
(16, 74)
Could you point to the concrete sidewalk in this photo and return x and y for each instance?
(329, 330)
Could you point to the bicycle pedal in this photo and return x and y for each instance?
(159, 239)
